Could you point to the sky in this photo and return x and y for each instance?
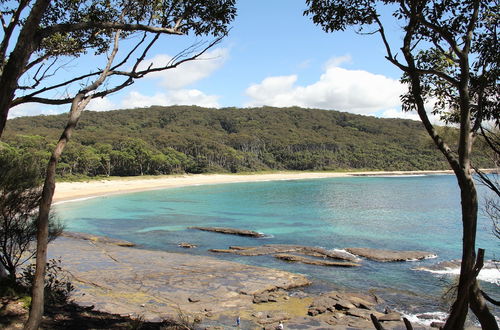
(272, 56)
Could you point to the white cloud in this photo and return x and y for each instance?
(35, 109)
(355, 91)
(189, 72)
(337, 61)
(101, 104)
(177, 97)
(393, 113)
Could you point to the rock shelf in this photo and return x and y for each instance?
(155, 284)
(390, 255)
(230, 231)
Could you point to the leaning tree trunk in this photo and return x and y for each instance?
(77, 106)
(37, 301)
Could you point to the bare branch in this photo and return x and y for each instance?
(107, 26)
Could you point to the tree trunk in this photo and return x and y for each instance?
(3, 272)
(37, 296)
(79, 103)
(26, 44)
(460, 307)
(480, 309)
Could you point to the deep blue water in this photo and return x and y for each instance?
(400, 213)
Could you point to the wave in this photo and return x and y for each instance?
(346, 253)
(425, 318)
(489, 273)
(75, 200)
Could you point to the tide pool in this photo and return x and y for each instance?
(398, 213)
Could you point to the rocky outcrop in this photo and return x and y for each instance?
(317, 262)
(97, 238)
(230, 231)
(268, 249)
(390, 255)
(157, 284)
(335, 301)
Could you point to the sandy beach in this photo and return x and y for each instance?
(66, 191)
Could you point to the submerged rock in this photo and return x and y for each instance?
(317, 262)
(390, 255)
(97, 238)
(186, 245)
(230, 231)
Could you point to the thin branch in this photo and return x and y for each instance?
(65, 28)
(134, 73)
(491, 300)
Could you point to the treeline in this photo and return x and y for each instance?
(178, 139)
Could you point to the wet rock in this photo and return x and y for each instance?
(317, 262)
(342, 302)
(438, 325)
(269, 296)
(221, 250)
(390, 255)
(394, 316)
(186, 245)
(288, 248)
(97, 238)
(230, 231)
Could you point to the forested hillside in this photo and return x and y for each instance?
(162, 140)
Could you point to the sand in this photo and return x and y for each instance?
(66, 191)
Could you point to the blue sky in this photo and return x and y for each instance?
(273, 56)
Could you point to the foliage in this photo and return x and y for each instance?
(20, 191)
(58, 286)
(448, 54)
(178, 139)
(434, 31)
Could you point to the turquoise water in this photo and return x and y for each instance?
(400, 213)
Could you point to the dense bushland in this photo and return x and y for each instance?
(178, 139)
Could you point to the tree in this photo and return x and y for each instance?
(449, 55)
(20, 193)
(102, 27)
(52, 31)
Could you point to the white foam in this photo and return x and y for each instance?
(394, 175)
(429, 317)
(76, 200)
(349, 254)
(432, 256)
(490, 273)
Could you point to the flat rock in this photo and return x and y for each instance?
(336, 301)
(97, 238)
(156, 284)
(390, 255)
(317, 262)
(394, 316)
(288, 248)
(186, 245)
(230, 231)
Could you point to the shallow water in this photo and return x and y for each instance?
(400, 213)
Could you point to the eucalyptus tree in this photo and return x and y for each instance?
(49, 32)
(448, 54)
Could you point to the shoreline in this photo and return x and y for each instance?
(71, 191)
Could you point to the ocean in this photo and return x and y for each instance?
(390, 212)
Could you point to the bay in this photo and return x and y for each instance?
(393, 212)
